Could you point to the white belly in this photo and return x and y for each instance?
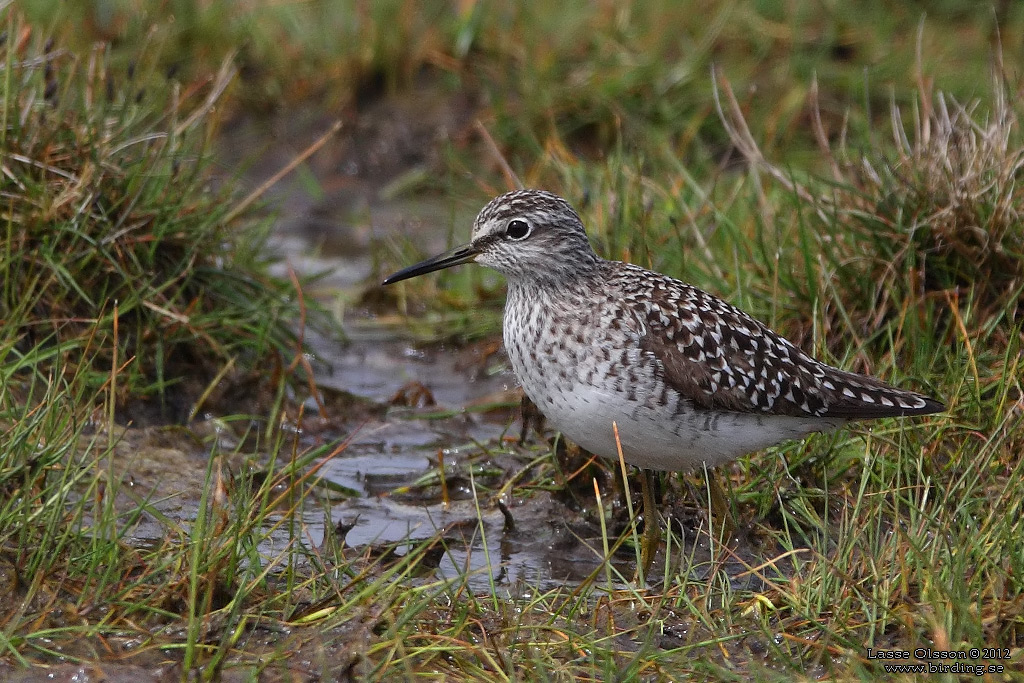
(659, 440)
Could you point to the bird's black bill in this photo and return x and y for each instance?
(458, 255)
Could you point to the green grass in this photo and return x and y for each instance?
(113, 237)
(886, 238)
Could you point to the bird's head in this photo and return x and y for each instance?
(525, 234)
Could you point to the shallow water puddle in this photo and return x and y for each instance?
(393, 461)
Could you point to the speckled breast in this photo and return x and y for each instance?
(581, 364)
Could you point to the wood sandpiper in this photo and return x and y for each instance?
(688, 379)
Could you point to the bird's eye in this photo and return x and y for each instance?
(517, 229)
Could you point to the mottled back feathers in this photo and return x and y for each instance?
(720, 358)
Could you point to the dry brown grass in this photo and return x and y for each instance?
(932, 216)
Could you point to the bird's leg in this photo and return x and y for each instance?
(719, 505)
(652, 532)
(532, 418)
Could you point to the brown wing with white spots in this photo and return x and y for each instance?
(720, 358)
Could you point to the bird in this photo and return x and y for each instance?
(615, 355)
